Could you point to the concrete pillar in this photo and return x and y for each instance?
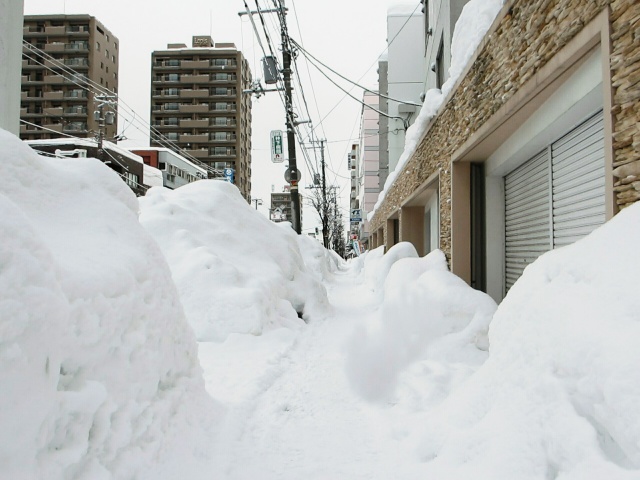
(11, 21)
(390, 234)
(461, 220)
(412, 227)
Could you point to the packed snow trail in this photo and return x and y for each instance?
(305, 420)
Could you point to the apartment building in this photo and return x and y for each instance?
(368, 161)
(280, 210)
(197, 103)
(66, 59)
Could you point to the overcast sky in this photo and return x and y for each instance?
(348, 35)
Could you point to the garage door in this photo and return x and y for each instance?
(555, 198)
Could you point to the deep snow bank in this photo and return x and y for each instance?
(98, 367)
(559, 395)
(236, 271)
(427, 316)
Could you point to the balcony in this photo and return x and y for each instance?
(194, 123)
(202, 108)
(54, 79)
(195, 64)
(75, 127)
(54, 47)
(197, 93)
(80, 95)
(227, 139)
(49, 30)
(53, 95)
(78, 46)
(53, 111)
(56, 127)
(199, 153)
(194, 79)
(226, 109)
(188, 138)
(77, 29)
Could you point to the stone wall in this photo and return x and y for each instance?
(526, 35)
(625, 69)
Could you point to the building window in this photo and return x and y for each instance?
(98, 46)
(106, 53)
(171, 121)
(440, 65)
(171, 106)
(172, 135)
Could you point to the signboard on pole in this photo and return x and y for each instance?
(356, 215)
(228, 174)
(277, 155)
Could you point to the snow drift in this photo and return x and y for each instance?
(236, 271)
(556, 398)
(98, 366)
(428, 316)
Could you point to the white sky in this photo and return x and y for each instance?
(347, 35)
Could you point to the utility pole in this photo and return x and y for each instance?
(291, 141)
(325, 207)
(257, 201)
(103, 120)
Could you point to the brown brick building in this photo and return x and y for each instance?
(197, 103)
(535, 146)
(62, 56)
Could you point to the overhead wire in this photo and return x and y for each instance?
(101, 90)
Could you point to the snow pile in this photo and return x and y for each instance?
(558, 396)
(319, 262)
(429, 317)
(236, 271)
(98, 366)
(472, 25)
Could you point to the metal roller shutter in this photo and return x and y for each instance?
(578, 182)
(527, 207)
(555, 198)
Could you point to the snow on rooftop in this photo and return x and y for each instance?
(87, 142)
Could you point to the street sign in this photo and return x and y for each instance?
(292, 176)
(356, 215)
(228, 175)
(277, 155)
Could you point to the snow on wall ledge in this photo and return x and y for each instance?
(98, 366)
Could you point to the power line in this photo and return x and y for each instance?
(96, 88)
(307, 54)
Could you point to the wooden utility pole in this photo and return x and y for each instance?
(291, 140)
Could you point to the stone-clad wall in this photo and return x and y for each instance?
(528, 33)
(625, 69)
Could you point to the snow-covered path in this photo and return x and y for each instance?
(304, 420)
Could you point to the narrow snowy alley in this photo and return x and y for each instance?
(304, 419)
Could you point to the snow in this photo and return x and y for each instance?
(160, 338)
(151, 176)
(98, 366)
(472, 25)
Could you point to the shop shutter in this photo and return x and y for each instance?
(578, 182)
(555, 198)
(527, 207)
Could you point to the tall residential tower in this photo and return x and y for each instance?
(66, 60)
(197, 103)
